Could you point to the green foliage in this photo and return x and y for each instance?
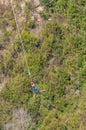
(80, 61)
(57, 60)
(31, 24)
(29, 39)
(63, 76)
(72, 10)
(61, 6)
(47, 3)
(15, 91)
(53, 27)
(33, 108)
(60, 90)
(43, 15)
(6, 36)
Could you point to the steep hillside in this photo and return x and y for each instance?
(54, 38)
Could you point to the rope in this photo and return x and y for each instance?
(18, 31)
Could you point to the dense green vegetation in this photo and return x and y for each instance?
(57, 60)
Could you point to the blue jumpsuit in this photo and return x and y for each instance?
(36, 90)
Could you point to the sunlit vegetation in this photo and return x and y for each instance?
(57, 60)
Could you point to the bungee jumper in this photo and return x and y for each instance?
(34, 88)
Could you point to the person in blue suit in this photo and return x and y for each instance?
(35, 89)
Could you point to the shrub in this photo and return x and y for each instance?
(29, 39)
(54, 28)
(43, 15)
(63, 76)
(31, 24)
(47, 3)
